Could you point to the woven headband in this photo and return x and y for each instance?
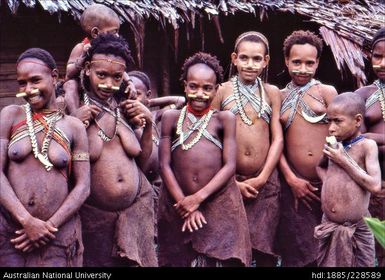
(110, 61)
(252, 33)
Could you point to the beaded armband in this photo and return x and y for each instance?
(80, 157)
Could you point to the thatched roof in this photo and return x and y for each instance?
(346, 25)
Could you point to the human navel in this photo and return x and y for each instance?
(333, 210)
(247, 153)
(310, 154)
(31, 201)
(195, 178)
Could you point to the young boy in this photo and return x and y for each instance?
(350, 171)
(202, 221)
(95, 20)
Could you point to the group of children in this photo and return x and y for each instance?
(241, 175)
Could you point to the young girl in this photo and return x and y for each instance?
(303, 116)
(202, 221)
(118, 218)
(259, 138)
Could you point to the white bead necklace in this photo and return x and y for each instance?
(201, 128)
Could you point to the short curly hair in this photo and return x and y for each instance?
(203, 58)
(302, 37)
(108, 44)
(96, 15)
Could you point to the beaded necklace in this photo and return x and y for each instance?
(204, 121)
(42, 155)
(156, 138)
(237, 95)
(115, 114)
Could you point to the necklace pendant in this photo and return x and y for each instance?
(44, 160)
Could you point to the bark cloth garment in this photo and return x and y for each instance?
(377, 210)
(344, 245)
(224, 237)
(296, 243)
(66, 250)
(263, 214)
(121, 238)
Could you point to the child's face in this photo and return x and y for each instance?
(111, 26)
(32, 76)
(250, 60)
(200, 86)
(378, 58)
(107, 71)
(142, 93)
(342, 125)
(302, 63)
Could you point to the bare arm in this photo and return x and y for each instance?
(75, 61)
(81, 175)
(369, 180)
(276, 145)
(322, 167)
(178, 101)
(168, 121)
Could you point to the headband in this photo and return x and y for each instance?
(110, 61)
(31, 61)
(378, 40)
(252, 33)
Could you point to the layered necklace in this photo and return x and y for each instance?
(156, 138)
(201, 127)
(51, 119)
(381, 97)
(115, 113)
(249, 88)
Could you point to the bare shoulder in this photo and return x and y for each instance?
(74, 122)
(226, 116)
(272, 90)
(366, 91)
(225, 88)
(170, 115)
(327, 90)
(11, 110)
(370, 146)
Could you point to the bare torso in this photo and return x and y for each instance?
(41, 192)
(114, 172)
(253, 141)
(343, 200)
(304, 140)
(195, 167)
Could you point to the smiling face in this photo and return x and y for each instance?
(343, 125)
(202, 83)
(303, 60)
(250, 60)
(378, 59)
(105, 72)
(32, 75)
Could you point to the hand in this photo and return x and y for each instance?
(35, 233)
(336, 155)
(130, 90)
(187, 205)
(257, 183)
(133, 108)
(194, 221)
(180, 102)
(247, 191)
(303, 190)
(87, 112)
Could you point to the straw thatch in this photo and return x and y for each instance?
(346, 25)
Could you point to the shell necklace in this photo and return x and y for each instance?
(201, 128)
(42, 155)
